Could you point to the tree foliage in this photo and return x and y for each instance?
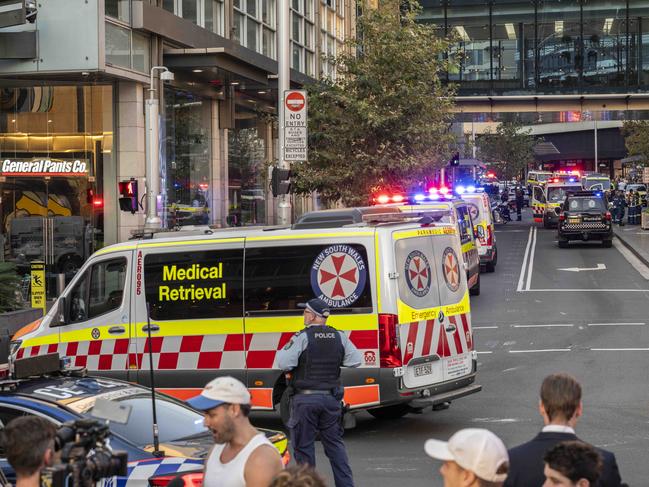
(636, 138)
(510, 148)
(384, 121)
(9, 287)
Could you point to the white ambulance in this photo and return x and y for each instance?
(225, 301)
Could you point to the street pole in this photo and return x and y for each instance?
(152, 169)
(595, 123)
(283, 84)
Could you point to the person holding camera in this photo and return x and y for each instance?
(313, 358)
(29, 443)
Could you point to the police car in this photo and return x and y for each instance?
(62, 396)
(584, 216)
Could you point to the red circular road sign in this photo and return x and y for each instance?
(295, 101)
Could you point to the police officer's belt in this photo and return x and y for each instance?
(313, 391)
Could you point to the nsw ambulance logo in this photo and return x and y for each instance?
(451, 268)
(417, 271)
(338, 275)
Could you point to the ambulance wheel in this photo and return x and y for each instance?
(390, 412)
(491, 266)
(546, 223)
(475, 290)
(284, 408)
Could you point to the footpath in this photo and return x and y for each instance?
(635, 239)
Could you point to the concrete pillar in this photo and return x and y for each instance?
(219, 183)
(129, 149)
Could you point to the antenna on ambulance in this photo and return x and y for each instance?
(156, 433)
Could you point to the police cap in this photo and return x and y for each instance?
(317, 306)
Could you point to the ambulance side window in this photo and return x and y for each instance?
(106, 286)
(464, 222)
(194, 284)
(278, 278)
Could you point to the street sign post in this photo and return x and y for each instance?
(38, 285)
(295, 125)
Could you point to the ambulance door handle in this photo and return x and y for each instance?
(117, 330)
(451, 328)
(152, 328)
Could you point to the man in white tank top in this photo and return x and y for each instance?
(242, 456)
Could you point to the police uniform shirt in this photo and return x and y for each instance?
(289, 356)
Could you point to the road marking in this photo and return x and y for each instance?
(510, 231)
(616, 324)
(484, 327)
(480, 353)
(585, 290)
(620, 349)
(531, 266)
(541, 350)
(600, 267)
(636, 263)
(553, 325)
(524, 266)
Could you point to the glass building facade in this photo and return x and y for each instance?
(519, 47)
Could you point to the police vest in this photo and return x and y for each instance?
(319, 364)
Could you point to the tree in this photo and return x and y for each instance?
(510, 147)
(384, 121)
(636, 138)
(9, 287)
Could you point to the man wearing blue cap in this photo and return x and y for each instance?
(314, 357)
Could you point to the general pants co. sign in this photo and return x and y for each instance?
(295, 125)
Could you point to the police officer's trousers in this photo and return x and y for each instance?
(320, 413)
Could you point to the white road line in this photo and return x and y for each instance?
(585, 290)
(484, 327)
(616, 324)
(479, 353)
(553, 325)
(524, 266)
(636, 263)
(619, 349)
(531, 266)
(541, 350)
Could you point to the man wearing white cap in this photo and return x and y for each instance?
(242, 456)
(473, 457)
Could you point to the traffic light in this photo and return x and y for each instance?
(455, 160)
(128, 200)
(280, 181)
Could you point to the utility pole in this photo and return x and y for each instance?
(595, 123)
(152, 131)
(283, 84)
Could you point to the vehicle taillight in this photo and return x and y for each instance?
(562, 217)
(189, 479)
(607, 216)
(490, 236)
(389, 349)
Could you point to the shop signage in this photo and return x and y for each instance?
(44, 167)
(38, 284)
(295, 125)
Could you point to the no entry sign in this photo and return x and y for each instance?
(295, 125)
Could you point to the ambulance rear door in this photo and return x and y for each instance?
(538, 202)
(455, 315)
(422, 338)
(193, 290)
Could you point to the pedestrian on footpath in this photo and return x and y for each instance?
(619, 204)
(314, 357)
(572, 464)
(520, 201)
(561, 408)
(242, 456)
(472, 457)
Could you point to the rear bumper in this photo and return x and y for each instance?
(488, 256)
(586, 234)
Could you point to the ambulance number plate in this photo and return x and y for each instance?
(423, 369)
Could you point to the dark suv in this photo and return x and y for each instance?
(584, 216)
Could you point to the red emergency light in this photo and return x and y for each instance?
(97, 202)
(491, 175)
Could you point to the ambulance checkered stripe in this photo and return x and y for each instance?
(429, 337)
(138, 473)
(235, 351)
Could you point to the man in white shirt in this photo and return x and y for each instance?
(242, 456)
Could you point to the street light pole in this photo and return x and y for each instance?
(283, 83)
(152, 169)
(595, 123)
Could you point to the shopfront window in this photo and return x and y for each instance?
(247, 183)
(187, 177)
(54, 145)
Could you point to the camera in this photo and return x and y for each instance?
(86, 455)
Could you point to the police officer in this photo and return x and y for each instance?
(314, 357)
(520, 201)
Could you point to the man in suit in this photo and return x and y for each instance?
(560, 407)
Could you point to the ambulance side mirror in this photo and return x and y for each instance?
(62, 312)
